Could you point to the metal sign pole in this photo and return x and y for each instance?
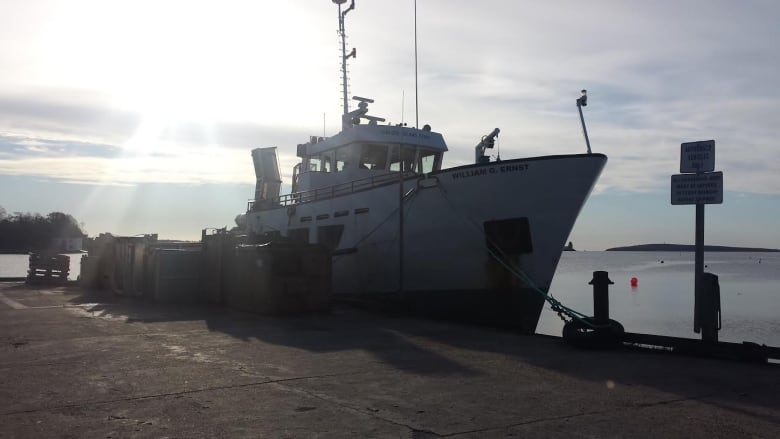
(698, 266)
(698, 184)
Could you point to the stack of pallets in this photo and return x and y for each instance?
(48, 268)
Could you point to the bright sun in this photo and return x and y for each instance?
(177, 61)
(193, 85)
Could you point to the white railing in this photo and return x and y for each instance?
(331, 191)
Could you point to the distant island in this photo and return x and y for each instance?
(686, 248)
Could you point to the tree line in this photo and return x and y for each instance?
(25, 232)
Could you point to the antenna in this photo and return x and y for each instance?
(344, 54)
(416, 102)
(403, 98)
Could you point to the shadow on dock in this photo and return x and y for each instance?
(438, 349)
(340, 330)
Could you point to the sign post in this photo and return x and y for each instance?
(698, 185)
(698, 265)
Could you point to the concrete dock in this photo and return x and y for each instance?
(82, 364)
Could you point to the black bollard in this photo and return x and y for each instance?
(708, 306)
(599, 331)
(601, 285)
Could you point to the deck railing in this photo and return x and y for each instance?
(332, 191)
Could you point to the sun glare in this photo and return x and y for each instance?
(199, 80)
(190, 61)
(185, 67)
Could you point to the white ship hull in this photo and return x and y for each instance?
(447, 266)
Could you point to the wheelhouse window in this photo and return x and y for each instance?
(315, 163)
(429, 161)
(408, 155)
(320, 163)
(342, 157)
(376, 156)
(373, 156)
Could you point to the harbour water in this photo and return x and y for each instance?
(661, 303)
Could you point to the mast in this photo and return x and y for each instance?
(344, 54)
(416, 102)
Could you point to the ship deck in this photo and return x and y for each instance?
(81, 364)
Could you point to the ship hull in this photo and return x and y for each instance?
(480, 243)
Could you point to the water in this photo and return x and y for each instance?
(16, 265)
(662, 303)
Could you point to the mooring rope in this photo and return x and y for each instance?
(555, 304)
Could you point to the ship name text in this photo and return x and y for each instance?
(503, 169)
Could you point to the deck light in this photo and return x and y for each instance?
(582, 101)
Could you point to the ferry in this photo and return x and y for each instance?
(479, 242)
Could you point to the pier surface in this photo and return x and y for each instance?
(79, 364)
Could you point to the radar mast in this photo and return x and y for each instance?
(344, 55)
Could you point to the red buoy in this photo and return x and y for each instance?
(634, 282)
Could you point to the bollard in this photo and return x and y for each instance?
(599, 331)
(601, 285)
(708, 308)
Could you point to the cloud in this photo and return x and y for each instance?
(181, 158)
(198, 168)
(656, 78)
(19, 147)
(71, 135)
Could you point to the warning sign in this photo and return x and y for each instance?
(697, 156)
(697, 188)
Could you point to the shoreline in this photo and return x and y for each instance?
(689, 248)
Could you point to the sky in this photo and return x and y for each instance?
(139, 116)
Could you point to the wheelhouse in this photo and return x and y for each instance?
(373, 156)
(362, 151)
(361, 156)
